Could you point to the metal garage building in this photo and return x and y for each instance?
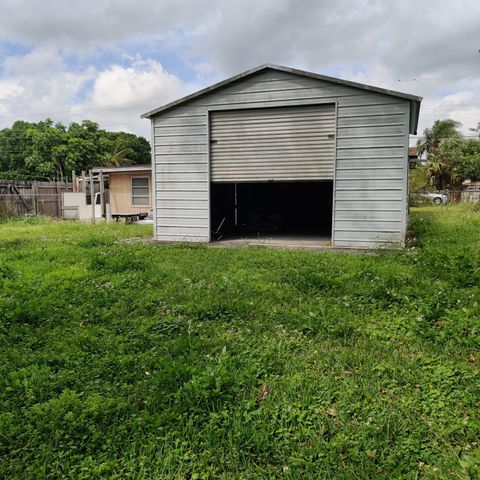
(277, 151)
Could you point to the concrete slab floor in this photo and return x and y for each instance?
(281, 242)
(299, 242)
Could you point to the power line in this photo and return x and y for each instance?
(87, 108)
(461, 77)
(151, 99)
(155, 98)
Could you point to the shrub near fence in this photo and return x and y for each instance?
(22, 197)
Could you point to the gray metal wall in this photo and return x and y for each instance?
(370, 183)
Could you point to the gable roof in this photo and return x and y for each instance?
(414, 100)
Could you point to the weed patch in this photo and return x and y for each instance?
(111, 261)
(134, 360)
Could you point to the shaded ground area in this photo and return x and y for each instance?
(139, 360)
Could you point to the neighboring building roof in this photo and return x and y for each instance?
(123, 169)
(412, 152)
(414, 100)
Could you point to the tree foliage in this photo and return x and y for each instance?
(451, 158)
(418, 181)
(120, 155)
(469, 159)
(432, 137)
(48, 150)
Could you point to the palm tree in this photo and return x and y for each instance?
(432, 137)
(119, 155)
(438, 172)
(442, 167)
(439, 168)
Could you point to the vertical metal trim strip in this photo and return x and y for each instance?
(154, 178)
(209, 180)
(334, 176)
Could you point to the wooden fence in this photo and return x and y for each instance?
(21, 197)
(471, 193)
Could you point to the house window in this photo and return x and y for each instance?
(140, 191)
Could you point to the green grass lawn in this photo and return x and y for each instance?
(135, 360)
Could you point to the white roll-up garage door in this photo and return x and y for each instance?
(273, 144)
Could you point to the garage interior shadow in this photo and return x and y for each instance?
(273, 209)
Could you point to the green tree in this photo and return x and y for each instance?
(468, 164)
(48, 156)
(456, 159)
(140, 146)
(432, 137)
(119, 154)
(15, 146)
(85, 148)
(439, 167)
(418, 181)
(48, 150)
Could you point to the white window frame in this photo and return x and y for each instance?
(132, 204)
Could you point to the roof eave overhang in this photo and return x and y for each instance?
(414, 114)
(126, 169)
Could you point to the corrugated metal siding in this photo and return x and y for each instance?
(370, 196)
(372, 136)
(181, 173)
(265, 144)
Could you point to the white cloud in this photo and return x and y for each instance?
(427, 45)
(88, 24)
(463, 106)
(120, 94)
(10, 89)
(40, 85)
(143, 80)
(204, 69)
(37, 61)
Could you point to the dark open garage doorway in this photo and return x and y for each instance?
(272, 210)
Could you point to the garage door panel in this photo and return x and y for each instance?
(288, 113)
(297, 156)
(289, 143)
(276, 127)
(262, 153)
(302, 164)
(302, 137)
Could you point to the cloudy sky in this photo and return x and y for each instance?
(111, 60)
